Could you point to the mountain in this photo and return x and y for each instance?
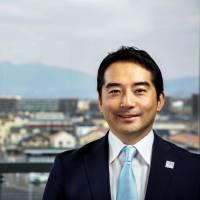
(36, 80)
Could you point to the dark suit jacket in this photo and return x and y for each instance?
(83, 174)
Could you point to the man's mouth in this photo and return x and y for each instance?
(128, 116)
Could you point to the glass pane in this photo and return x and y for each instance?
(50, 52)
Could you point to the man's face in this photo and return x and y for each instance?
(128, 100)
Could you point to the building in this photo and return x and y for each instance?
(38, 105)
(83, 105)
(49, 122)
(17, 134)
(12, 131)
(8, 105)
(91, 136)
(67, 105)
(35, 141)
(171, 126)
(84, 128)
(62, 140)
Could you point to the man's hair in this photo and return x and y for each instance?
(135, 55)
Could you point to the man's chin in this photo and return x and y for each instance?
(129, 132)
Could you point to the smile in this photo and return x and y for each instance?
(128, 116)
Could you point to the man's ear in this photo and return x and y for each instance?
(161, 101)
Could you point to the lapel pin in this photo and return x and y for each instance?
(169, 164)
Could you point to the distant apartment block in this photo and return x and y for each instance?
(38, 105)
(49, 122)
(8, 104)
(68, 105)
(94, 111)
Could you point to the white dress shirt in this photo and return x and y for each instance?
(141, 163)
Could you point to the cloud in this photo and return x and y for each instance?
(78, 34)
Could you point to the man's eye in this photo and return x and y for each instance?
(114, 91)
(140, 91)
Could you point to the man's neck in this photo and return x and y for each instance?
(131, 138)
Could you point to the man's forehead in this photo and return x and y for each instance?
(127, 72)
(120, 68)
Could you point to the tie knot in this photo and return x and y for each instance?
(130, 152)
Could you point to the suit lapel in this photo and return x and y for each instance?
(97, 169)
(160, 175)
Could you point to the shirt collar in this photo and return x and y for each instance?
(144, 146)
(115, 146)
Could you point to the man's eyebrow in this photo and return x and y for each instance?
(141, 83)
(109, 85)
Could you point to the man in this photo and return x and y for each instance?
(130, 88)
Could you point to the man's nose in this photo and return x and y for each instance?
(127, 100)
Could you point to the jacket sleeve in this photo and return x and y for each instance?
(54, 186)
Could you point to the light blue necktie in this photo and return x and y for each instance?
(127, 185)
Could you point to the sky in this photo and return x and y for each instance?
(78, 34)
